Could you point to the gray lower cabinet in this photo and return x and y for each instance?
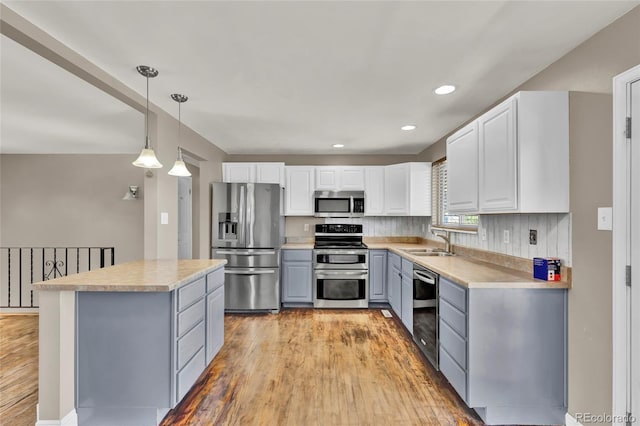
(504, 351)
(215, 316)
(394, 283)
(297, 276)
(407, 294)
(378, 276)
(139, 353)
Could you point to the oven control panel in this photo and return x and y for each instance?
(336, 228)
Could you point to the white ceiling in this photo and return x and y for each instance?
(296, 77)
(47, 110)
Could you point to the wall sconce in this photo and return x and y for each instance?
(131, 194)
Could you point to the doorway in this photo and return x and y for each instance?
(185, 222)
(626, 247)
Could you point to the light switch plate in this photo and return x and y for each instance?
(506, 236)
(306, 227)
(605, 219)
(164, 218)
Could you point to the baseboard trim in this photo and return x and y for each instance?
(71, 419)
(569, 420)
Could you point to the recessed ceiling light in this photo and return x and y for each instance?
(445, 90)
(338, 145)
(408, 127)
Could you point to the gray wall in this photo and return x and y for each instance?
(588, 68)
(71, 200)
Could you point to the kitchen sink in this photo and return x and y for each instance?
(432, 253)
(418, 250)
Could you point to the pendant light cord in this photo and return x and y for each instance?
(146, 122)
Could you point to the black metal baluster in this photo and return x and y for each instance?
(31, 269)
(20, 277)
(77, 260)
(43, 274)
(113, 256)
(9, 277)
(66, 261)
(89, 252)
(101, 257)
(55, 262)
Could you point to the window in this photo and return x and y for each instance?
(440, 216)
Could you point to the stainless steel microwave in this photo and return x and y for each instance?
(338, 203)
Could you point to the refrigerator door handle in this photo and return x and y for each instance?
(249, 271)
(242, 219)
(246, 253)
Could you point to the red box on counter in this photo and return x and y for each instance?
(546, 268)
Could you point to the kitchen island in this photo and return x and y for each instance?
(124, 344)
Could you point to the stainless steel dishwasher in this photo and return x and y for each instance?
(425, 312)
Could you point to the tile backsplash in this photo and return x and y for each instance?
(554, 235)
(554, 232)
(388, 226)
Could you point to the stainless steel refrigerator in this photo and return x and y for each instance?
(248, 230)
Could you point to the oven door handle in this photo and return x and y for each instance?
(249, 271)
(334, 273)
(357, 252)
(424, 278)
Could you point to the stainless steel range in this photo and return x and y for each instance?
(341, 267)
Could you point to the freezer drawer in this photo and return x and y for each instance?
(247, 289)
(248, 258)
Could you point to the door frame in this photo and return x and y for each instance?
(621, 256)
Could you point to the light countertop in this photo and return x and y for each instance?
(298, 246)
(464, 270)
(136, 276)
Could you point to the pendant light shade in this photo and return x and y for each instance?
(147, 158)
(179, 168)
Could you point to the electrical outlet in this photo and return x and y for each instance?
(506, 236)
(164, 218)
(483, 234)
(306, 227)
(533, 237)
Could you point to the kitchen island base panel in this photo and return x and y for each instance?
(124, 351)
(522, 415)
(128, 416)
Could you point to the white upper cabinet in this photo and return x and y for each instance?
(497, 155)
(374, 190)
(339, 178)
(253, 173)
(522, 157)
(462, 167)
(327, 178)
(270, 173)
(238, 172)
(407, 189)
(299, 190)
(351, 178)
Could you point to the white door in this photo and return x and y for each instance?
(497, 154)
(634, 356)
(184, 218)
(462, 170)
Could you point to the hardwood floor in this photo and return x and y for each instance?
(18, 369)
(300, 367)
(319, 367)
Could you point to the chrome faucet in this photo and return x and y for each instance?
(445, 237)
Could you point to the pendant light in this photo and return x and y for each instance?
(147, 158)
(179, 168)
